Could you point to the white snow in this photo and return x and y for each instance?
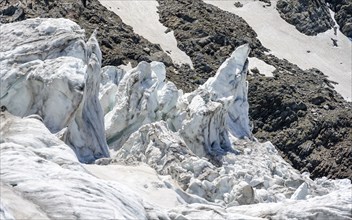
(285, 41)
(126, 67)
(143, 17)
(45, 172)
(145, 181)
(263, 67)
(11, 200)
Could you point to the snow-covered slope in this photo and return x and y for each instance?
(173, 155)
(145, 12)
(44, 172)
(285, 41)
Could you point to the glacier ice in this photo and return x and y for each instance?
(195, 151)
(142, 97)
(45, 171)
(217, 109)
(204, 118)
(47, 69)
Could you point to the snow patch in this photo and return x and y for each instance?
(263, 67)
(144, 18)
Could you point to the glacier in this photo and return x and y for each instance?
(82, 141)
(48, 70)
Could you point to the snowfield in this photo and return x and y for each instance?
(285, 41)
(145, 12)
(150, 151)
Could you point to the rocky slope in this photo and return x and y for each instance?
(343, 15)
(295, 103)
(194, 152)
(309, 17)
(313, 17)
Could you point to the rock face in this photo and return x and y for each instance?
(199, 143)
(53, 73)
(314, 133)
(309, 17)
(206, 34)
(343, 15)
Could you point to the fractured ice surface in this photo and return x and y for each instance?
(47, 69)
(195, 151)
(142, 97)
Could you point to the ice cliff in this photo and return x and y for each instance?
(60, 109)
(48, 70)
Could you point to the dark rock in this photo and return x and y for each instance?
(9, 11)
(3, 108)
(343, 15)
(162, 57)
(167, 30)
(255, 70)
(317, 100)
(334, 42)
(106, 43)
(238, 5)
(309, 17)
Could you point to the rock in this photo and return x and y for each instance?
(343, 15)
(317, 100)
(310, 18)
(255, 70)
(238, 5)
(334, 42)
(147, 50)
(204, 41)
(161, 57)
